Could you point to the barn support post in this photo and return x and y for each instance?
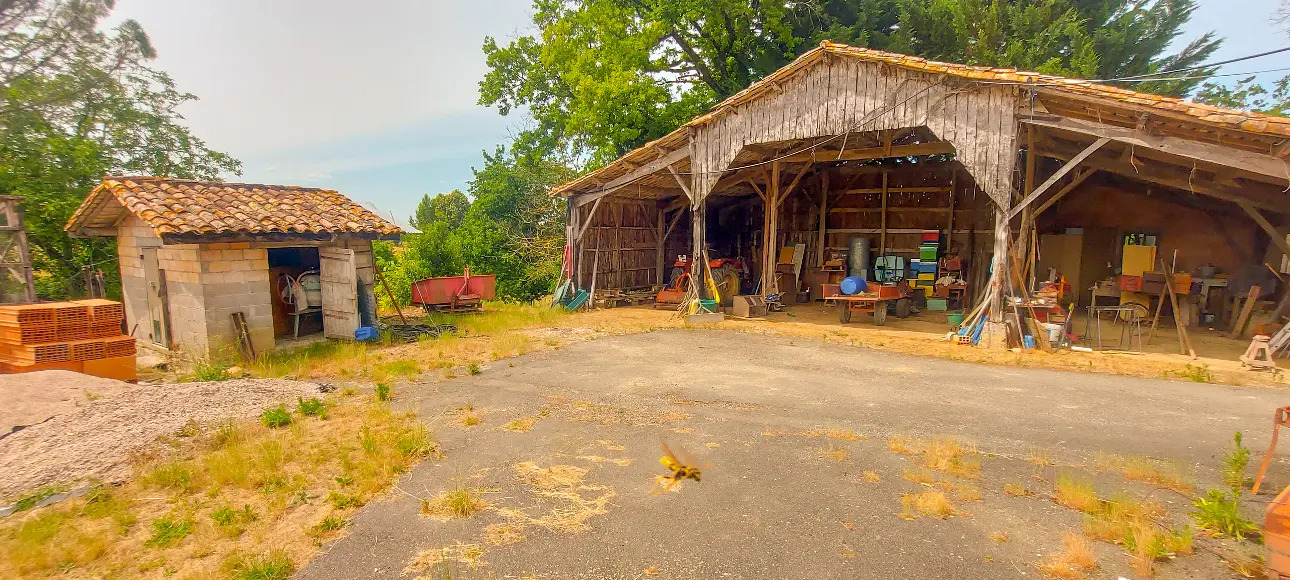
(995, 334)
(660, 238)
(770, 234)
(824, 217)
(882, 236)
(949, 228)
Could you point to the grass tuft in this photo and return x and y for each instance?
(871, 477)
(1072, 562)
(274, 565)
(930, 503)
(459, 502)
(952, 456)
(998, 537)
(520, 425)
(1076, 493)
(919, 476)
(382, 392)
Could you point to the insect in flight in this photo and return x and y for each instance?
(681, 469)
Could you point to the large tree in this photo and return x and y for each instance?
(76, 103)
(602, 77)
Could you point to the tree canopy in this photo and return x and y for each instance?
(601, 77)
(77, 103)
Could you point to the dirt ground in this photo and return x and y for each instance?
(924, 333)
(800, 480)
(95, 440)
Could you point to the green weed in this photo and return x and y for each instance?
(382, 392)
(276, 417)
(331, 524)
(168, 532)
(311, 407)
(1218, 512)
(207, 372)
(29, 501)
(473, 368)
(171, 475)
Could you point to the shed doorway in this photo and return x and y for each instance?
(295, 275)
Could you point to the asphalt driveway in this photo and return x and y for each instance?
(794, 433)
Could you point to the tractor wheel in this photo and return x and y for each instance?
(729, 287)
(880, 314)
(904, 307)
(844, 312)
(676, 273)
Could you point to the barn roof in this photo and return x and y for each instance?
(1071, 97)
(180, 207)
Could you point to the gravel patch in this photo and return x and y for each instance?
(97, 439)
(29, 398)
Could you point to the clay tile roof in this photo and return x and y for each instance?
(179, 206)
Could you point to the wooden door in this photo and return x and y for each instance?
(155, 281)
(339, 292)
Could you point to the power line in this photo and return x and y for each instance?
(1204, 66)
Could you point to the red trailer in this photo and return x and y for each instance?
(462, 293)
(877, 302)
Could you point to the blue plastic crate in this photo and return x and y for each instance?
(367, 333)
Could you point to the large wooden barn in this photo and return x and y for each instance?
(848, 143)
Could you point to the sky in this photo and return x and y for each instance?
(378, 99)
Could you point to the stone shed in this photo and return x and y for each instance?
(194, 254)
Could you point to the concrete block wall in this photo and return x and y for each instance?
(207, 283)
(184, 297)
(235, 278)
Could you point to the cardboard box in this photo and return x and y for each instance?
(749, 306)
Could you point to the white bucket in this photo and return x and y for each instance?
(1054, 331)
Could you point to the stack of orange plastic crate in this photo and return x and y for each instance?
(82, 336)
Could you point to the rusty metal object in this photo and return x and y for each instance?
(1279, 419)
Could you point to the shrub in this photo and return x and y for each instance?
(382, 392)
(1219, 511)
(311, 407)
(276, 417)
(473, 368)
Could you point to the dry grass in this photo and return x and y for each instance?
(952, 456)
(1076, 493)
(1162, 474)
(521, 425)
(962, 491)
(466, 416)
(458, 502)
(566, 499)
(871, 477)
(284, 480)
(1247, 563)
(834, 453)
(998, 537)
(439, 560)
(1041, 458)
(503, 534)
(905, 445)
(1133, 524)
(843, 434)
(1015, 489)
(1072, 562)
(930, 503)
(919, 476)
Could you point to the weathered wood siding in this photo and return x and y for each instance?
(624, 232)
(839, 95)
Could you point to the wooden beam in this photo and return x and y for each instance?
(1069, 187)
(1055, 177)
(867, 190)
(1278, 238)
(949, 229)
(914, 150)
(1149, 172)
(1268, 166)
(793, 185)
(631, 176)
(591, 216)
(684, 186)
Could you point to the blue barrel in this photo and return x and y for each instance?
(852, 285)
